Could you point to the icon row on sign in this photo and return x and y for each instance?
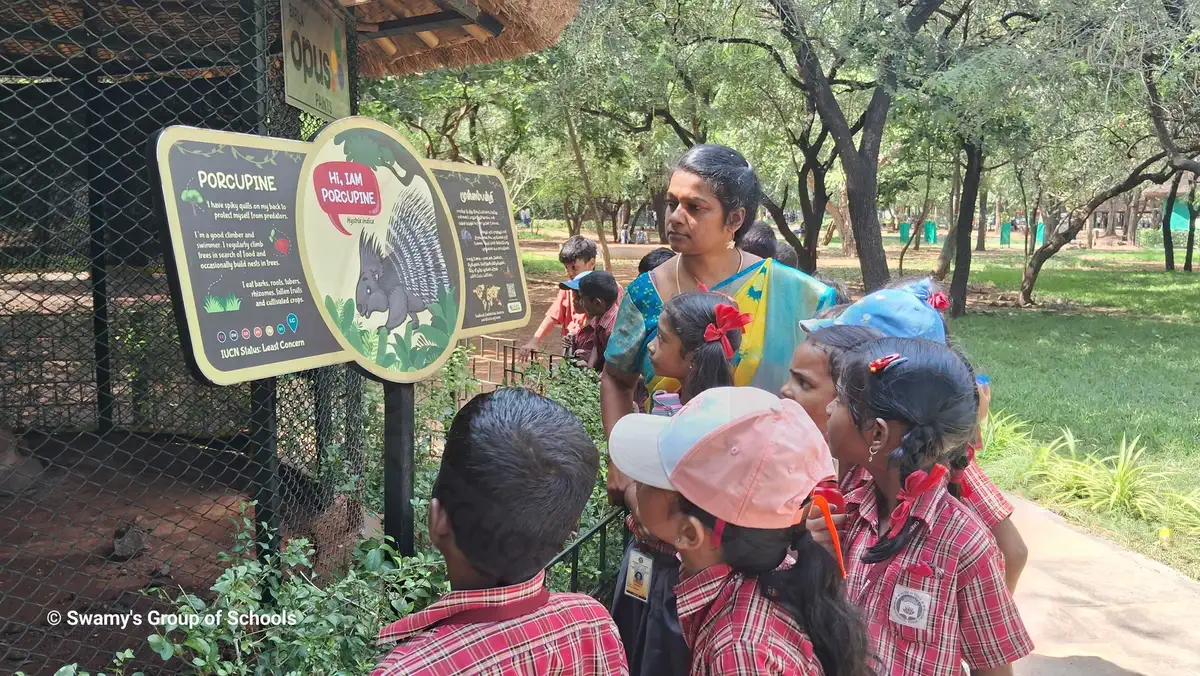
(234, 335)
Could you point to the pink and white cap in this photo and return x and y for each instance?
(739, 453)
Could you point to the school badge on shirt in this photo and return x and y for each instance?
(910, 607)
(637, 575)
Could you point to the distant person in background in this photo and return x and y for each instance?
(599, 296)
(838, 286)
(578, 257)
(787, 255)
(654, 259)
(761, 241)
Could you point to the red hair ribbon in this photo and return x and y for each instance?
(917, 484)
(728, 319)
(939, 301)
(884, 363)
(964, 489)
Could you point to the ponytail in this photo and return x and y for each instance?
(927, 387)
(914, 446)
(710, 369)
(690, 315)
(811, 591)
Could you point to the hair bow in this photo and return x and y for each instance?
(728, 319)
(882, 364)
(917, 484)
(939, 301)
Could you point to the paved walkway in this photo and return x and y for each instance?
(1095, 609)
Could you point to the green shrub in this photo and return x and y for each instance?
(1152, 239)
(1182, 511)
(335, 624)
(1121, 483)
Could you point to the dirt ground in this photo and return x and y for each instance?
(57, 543)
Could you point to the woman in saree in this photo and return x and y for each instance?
(712, 200)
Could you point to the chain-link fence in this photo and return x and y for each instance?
(118, 471)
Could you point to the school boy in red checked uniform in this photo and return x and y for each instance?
(515, 475)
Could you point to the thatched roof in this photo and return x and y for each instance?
(529, 25)
(197, 38)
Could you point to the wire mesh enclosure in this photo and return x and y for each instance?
(118, 471)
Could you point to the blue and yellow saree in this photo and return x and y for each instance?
(776, 296)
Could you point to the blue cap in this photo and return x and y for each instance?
(574, 283)
(899, 313)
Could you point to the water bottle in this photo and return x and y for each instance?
(829, 490)
(665, 403)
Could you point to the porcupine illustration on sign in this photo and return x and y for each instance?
(405, 273)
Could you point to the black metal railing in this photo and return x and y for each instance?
(595, 541)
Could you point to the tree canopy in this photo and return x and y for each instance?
(847, 110)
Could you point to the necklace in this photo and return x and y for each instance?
(678, 278)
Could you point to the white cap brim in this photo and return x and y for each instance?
(633, 448)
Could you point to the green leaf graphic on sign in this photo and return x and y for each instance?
(372, 148)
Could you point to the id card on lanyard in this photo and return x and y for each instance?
(638, 575)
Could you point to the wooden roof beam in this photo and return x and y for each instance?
(412, 24)
(471, 11)
(400, 11)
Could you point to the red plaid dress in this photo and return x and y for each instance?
(733, 629)
(543, 634)
(982, 496)
(939, 602)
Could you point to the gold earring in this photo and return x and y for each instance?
(871, 456)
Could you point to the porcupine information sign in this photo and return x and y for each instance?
(287, 256)
(242, 303)
(495, 278)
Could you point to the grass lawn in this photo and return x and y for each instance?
(1124, 360)
(541, 264)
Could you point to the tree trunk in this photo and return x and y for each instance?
(1131, 217)
(1131, 222)
(1168, 211)
(981, 238)
(638, 214)
(972, 178)
(1193, 211)
(814, 200)
(862, 192)
(1111, 227)
(1031, 227)
(841, 221)
(574, 220)
(921, 218)
(587, 188)
(829, 230)
(615, 217)
(807, 264)
(659, 204)
(955, 186)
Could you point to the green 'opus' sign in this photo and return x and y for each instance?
(315, 78)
